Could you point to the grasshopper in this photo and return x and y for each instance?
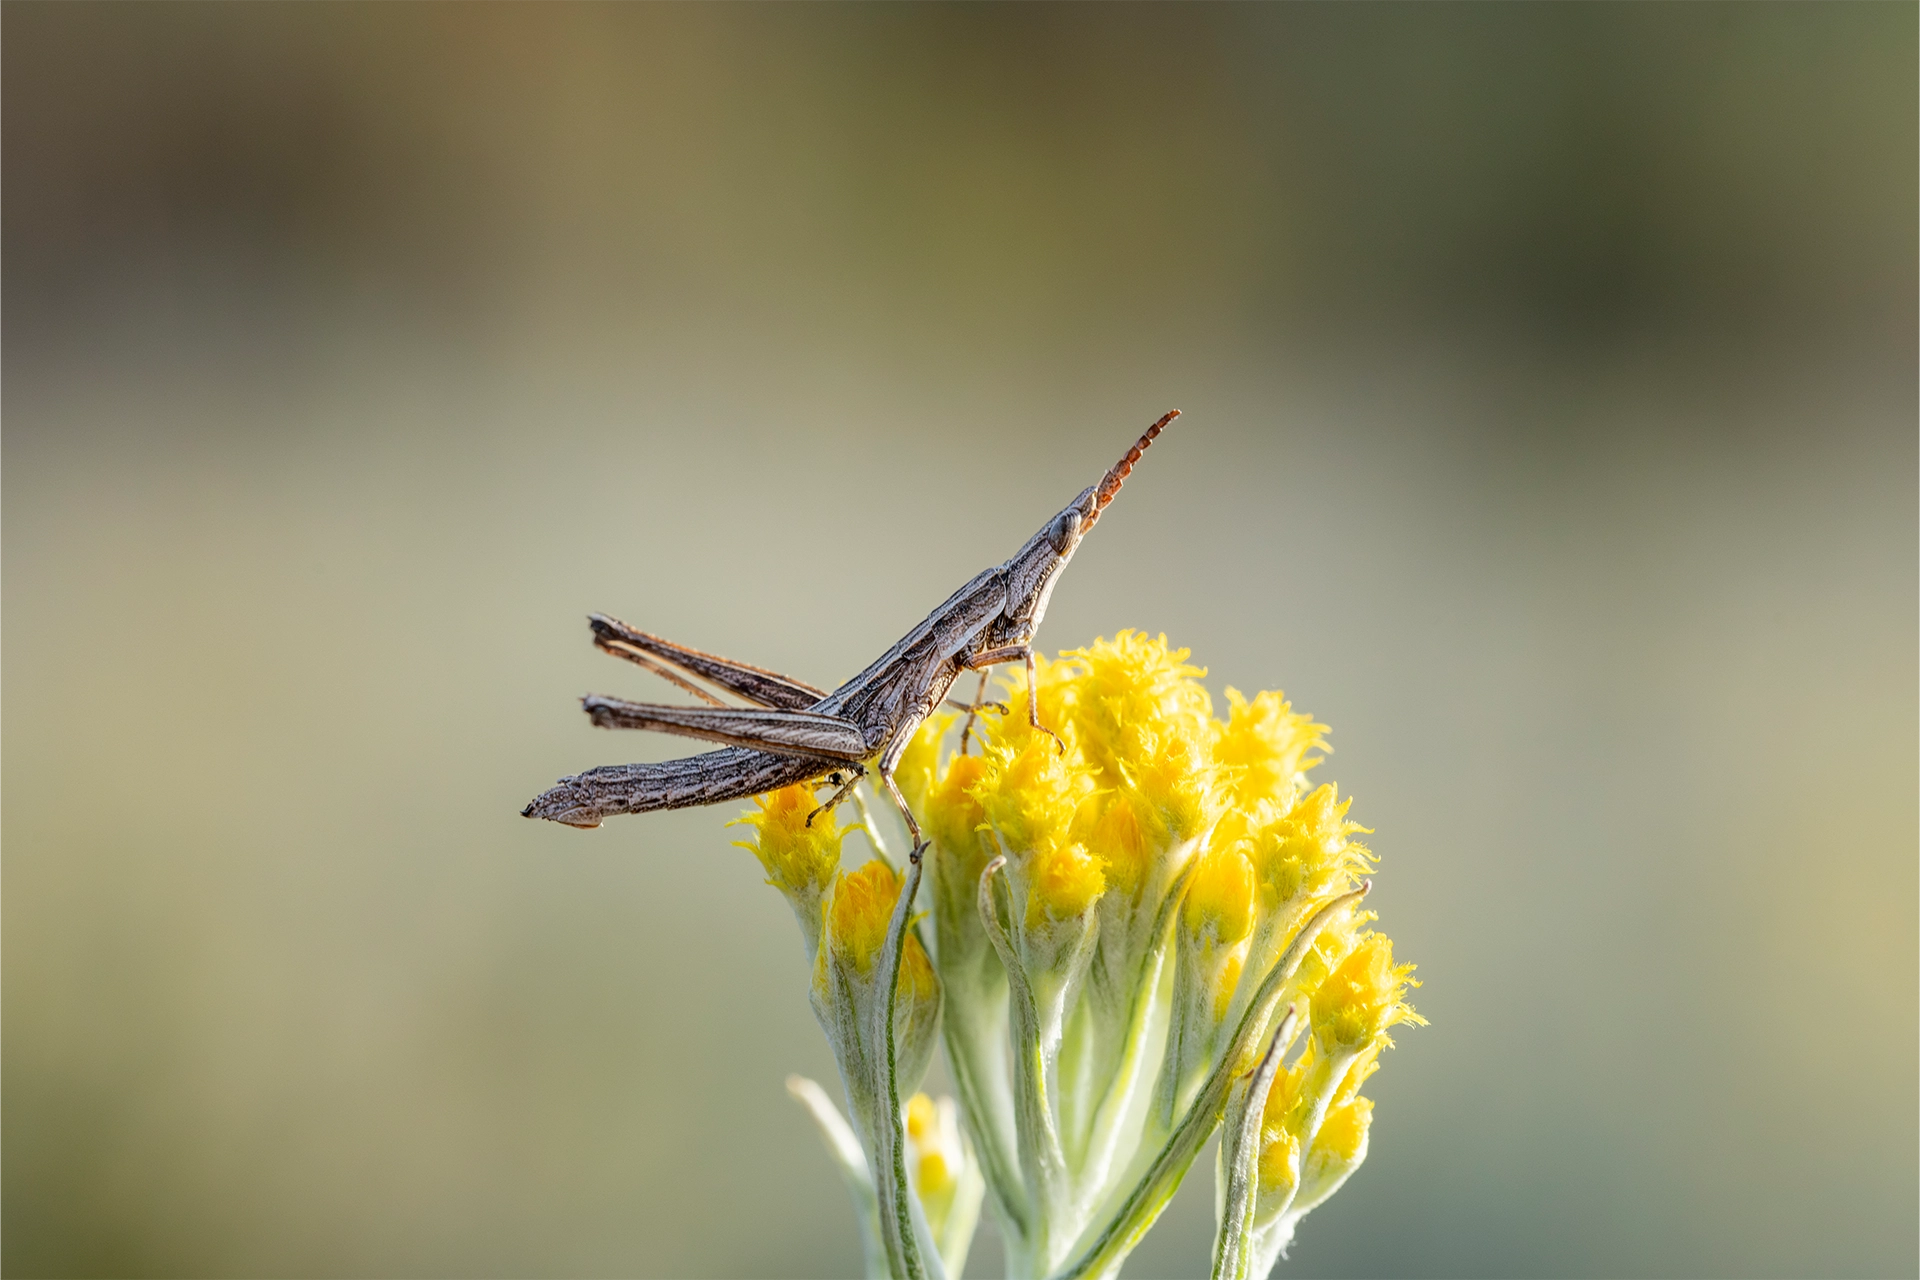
(794, 732)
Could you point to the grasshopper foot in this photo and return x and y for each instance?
(919, 849)
(977, 707)
(973, 710)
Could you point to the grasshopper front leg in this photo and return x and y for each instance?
(844, 789)
(1017, 653)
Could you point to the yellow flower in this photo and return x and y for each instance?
(1279, 1161)
(798, 859)
(1032, 795)
(1054, 690)
(1123, 841)
(857, 919)
(1220, 899)
(952, 816)
(1063, 882)
(945, 1176)
(1174, 776)
(1131, 681)
(935, 1172)
(1359, 1073)
(1335, 942)
(919, 763)
(1344, 1132)
(1363, 997)
(1145, 722)
(1265, 742)
(1132, 794)
(1306, 854)
(1279, 1145)
(919, 989)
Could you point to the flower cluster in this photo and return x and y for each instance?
(1143, 926)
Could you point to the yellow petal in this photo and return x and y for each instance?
(1363, 997)
(797, 857)
(859, 912)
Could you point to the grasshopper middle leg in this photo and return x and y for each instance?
(889, 761)
(1019, 653)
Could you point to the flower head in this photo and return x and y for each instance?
(1145, 722)
(798, 858)
(954, 817)
(1303, 853)
(857, 918)
(1343, 1134)
(1265, 744)
(1363, 997)
(1220, 897)
(936, 1166)
(1140, 835)
(944, 1175)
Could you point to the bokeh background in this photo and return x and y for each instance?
(1550, 381)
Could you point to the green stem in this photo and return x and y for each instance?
(964, 1039)
(1041, 1159)
(1145, 990)
(1162, 1178)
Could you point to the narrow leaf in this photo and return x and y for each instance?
(896, 1198)
(1233, 1247)
(846, 1153)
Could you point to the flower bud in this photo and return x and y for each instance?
(846, 973)
(858, 914)
(1219, 903)
(944, 1176)
(1279, 1165)
(1214, 921)
(1062, 884)
(934, 1152)
(1338, 1149)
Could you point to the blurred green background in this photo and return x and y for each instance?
(1550, 381)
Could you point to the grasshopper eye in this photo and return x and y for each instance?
(1061, 534)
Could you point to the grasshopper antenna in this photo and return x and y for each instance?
(1117, 475)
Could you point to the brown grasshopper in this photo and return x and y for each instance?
(797, 733)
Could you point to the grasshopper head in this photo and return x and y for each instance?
(1048, 551)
